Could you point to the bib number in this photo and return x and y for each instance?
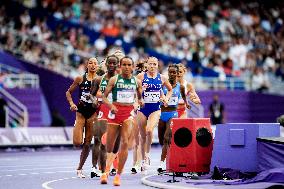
(100, 114)
(111, 115)
(151, 97)
(86, 97)
(125, 97)
(173, 101)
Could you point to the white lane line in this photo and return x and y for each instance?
(163, 185)
(45, 185)
(37, 169)
(8, 175)
(22, 174)
(49, 172)
(27, 165)
(34, 173)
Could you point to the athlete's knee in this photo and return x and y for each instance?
(149, 133)
(124, 144)
(77, 142)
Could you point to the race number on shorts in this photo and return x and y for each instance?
(111, 115)
(100, 114)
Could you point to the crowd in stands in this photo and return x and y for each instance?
(234, 38)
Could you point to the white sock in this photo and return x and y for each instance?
(146, 155)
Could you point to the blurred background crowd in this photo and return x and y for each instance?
(242, 39)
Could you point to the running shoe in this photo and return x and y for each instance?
(162, 167)
(80, 174)
(112, 172)
(135, 168)
(95, 172)
(116, 180)
(104, 178)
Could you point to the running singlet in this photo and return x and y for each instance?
(124, 90)
(85, 90)
(152, 90)
(173, 101)
(103, 86)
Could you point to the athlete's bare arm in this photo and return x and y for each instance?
(71, 89)
(139, 93)
(108, 89)
(192, 94)
(183, 95)
(94, 90)
(167, 84)
(96, 85)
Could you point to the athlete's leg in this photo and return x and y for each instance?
(78, 129)
(161, 131)
(99, 150)
(136, 141)
(125, 133)
(161, 134)
(167, 140)
(87, 141)
(142, 121)
(115, 152)
(113, 131)
(152, 122)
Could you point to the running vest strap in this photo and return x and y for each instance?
(103, 85)
(173, 101)
(152, 89)
(85, 90)
(124, 90)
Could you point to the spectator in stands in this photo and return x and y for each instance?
(216, 111)
(280, 71)
(3, 107)
(260, 80)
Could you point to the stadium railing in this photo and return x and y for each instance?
(16, 113)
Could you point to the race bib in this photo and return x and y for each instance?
(173, 101)
(100, 114)
(111, 115)
(152, 97)
(85, 97)
(125, 97)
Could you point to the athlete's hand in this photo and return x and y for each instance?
(196, 101)
(141, 103)
(113, 109)
(164, 101)
(73, 107)
(95, 102)
(188, 106)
